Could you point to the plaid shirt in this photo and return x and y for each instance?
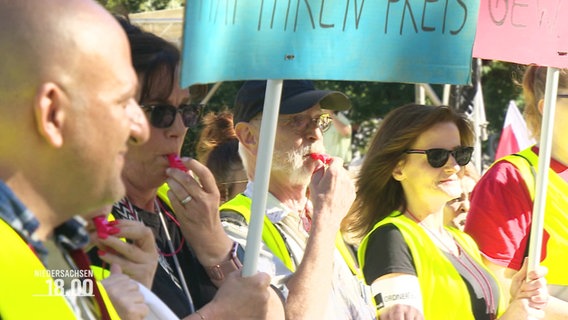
(22, 220)
(68, 237)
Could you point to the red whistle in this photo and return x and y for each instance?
(326, 159)
(175, 162)
(101, 224)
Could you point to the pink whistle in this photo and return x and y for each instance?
(175, 162)
(101, 224)
(326, 159)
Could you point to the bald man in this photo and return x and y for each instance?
(67, 115)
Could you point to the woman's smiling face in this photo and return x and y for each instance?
(424, 184)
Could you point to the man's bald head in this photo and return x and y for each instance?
(39, 40)
(67, 107)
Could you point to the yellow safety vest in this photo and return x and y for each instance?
(273, 239)
(24, 283)
(444, 293)
(556, 214)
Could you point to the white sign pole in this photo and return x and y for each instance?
(262, 174)
(545, 147)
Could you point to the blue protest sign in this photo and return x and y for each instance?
(422, 41)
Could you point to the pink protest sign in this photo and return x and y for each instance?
(523, 31)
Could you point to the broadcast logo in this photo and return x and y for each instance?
(68, 283)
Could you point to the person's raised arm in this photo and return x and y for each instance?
(332, 193)
(199, 217)
(201, 225)
(341, 124)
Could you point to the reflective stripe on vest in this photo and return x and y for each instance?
(555, 218)
(108, 303)
(273, 239)
(444, 292)
(270, 235)
(25, 283)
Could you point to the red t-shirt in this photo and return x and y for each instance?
(500, 215)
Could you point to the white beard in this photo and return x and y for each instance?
(292, 163)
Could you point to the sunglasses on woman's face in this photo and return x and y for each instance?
(163, 115)
(437, 158)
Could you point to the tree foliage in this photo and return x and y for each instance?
(501, 83)
(373, 100)
(124, 7)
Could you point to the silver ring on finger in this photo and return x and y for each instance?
(186, 199)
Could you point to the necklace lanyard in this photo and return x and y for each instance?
(158, 207)
(176, 261)
(134, 214)
(172, 253)
(477, 273)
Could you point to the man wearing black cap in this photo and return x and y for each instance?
(308, 197)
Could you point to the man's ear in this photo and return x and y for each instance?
(540, 106)
(398, 172)
(248, 136)
(50, 113)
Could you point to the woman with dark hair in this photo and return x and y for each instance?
(418, 268)
(198, 270)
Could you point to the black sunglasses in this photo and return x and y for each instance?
(437, 158)
(163, 115)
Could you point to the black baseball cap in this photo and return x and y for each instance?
(297, 96)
